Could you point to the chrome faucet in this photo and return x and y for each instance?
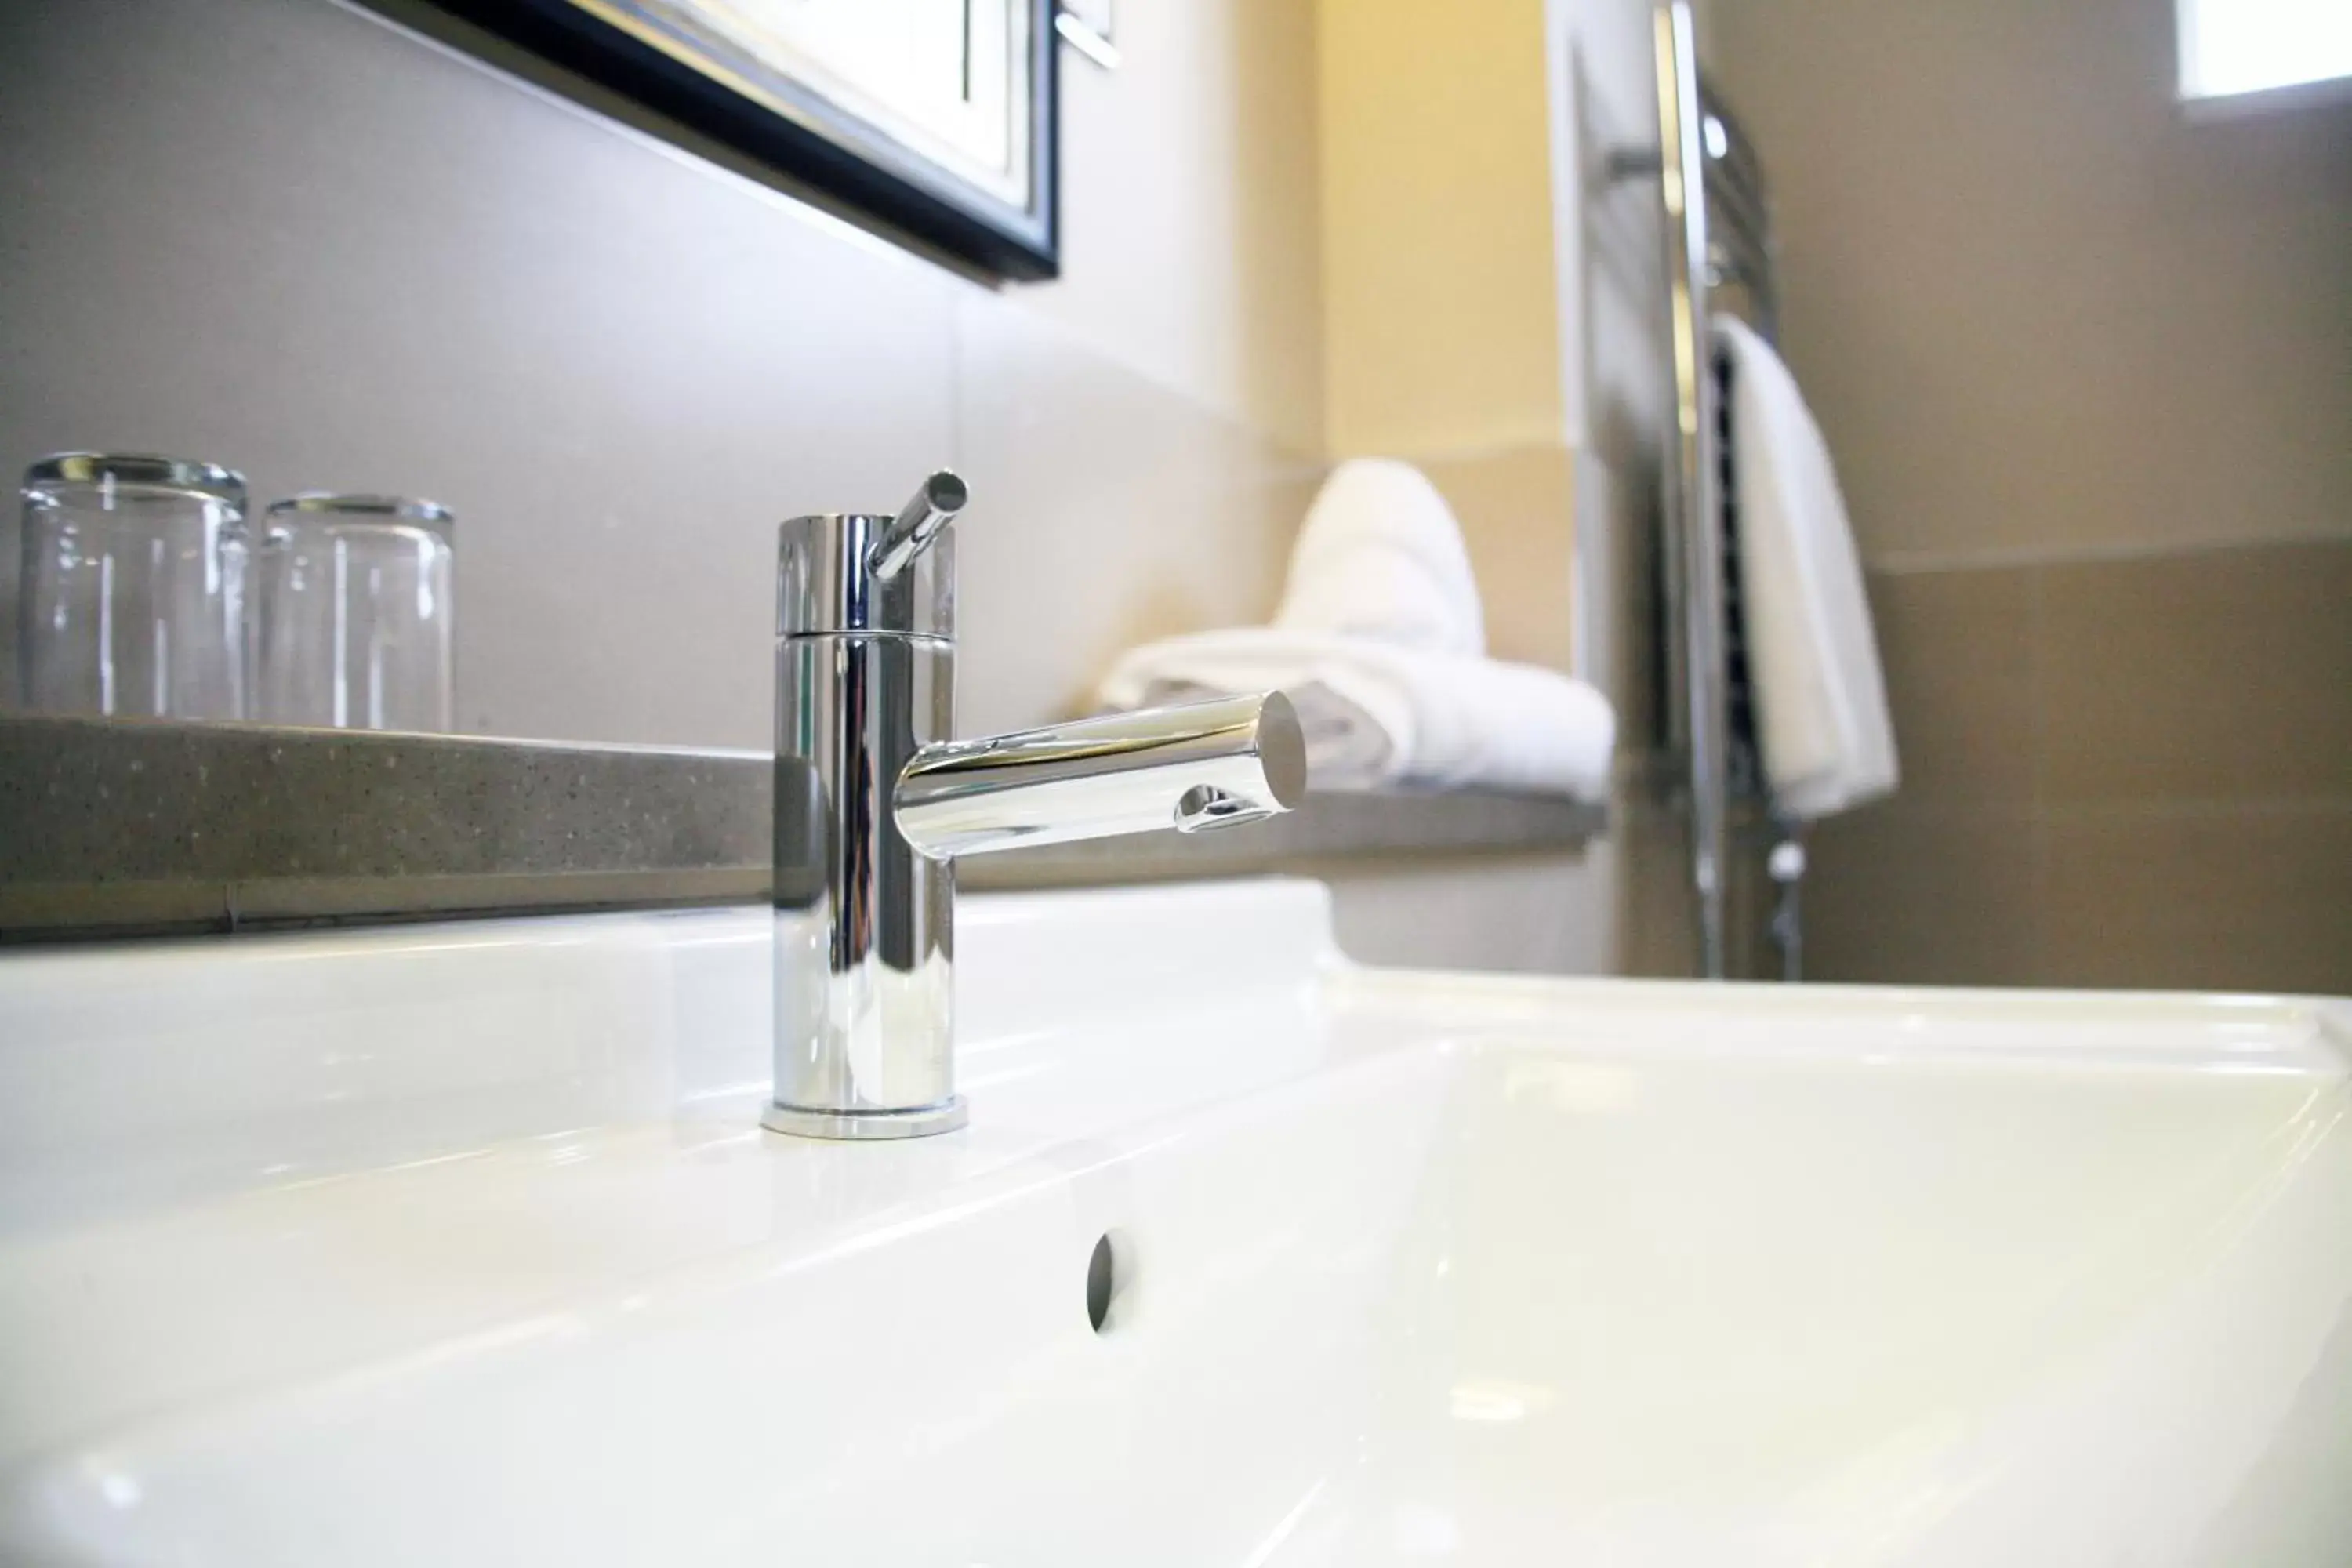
(874, 802)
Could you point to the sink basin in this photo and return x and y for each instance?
(461, 1243)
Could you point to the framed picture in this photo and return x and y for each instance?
(935, 116)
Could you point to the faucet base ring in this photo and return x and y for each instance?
(860, 1126)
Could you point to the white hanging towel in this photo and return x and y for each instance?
(1380, 643)
(1820, 699)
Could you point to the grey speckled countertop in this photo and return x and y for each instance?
(118, 828)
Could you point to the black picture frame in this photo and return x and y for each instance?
(817, 142)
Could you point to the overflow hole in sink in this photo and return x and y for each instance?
(1102, 1281)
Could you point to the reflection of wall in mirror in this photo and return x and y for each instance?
(947, 78)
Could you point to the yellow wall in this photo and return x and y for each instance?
(1441, 328)
(1477, 319)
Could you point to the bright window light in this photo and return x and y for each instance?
(2230, 47)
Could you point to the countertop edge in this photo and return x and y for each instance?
(117, 828)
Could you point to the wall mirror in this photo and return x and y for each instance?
(935, 116)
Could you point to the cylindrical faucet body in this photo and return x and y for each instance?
(864, 936)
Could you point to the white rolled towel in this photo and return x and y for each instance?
(1381, 644)
(1381, 556)
(1384, 715)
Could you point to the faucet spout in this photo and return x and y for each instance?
(1189, 767)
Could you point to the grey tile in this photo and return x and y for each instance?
(1959, 652)
(2034, 305)
(1904, 896)
(2227, 899)
(2219, 676)
(1657, 912)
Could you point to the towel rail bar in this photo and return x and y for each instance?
(1693, 541)
(1718, 231)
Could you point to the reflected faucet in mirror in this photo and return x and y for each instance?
(875, 801)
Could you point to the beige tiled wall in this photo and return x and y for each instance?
(2080, 357)
(2039, 306)
(2118, 772)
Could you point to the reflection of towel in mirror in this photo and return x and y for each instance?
(1380, 643)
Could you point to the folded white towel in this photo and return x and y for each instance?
(1380, 642)
(1381, 556)
(1820, 700)
(1378, 715)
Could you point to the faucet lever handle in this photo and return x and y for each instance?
(919, 523)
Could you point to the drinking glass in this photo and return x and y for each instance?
(354, 622)
(132, 602)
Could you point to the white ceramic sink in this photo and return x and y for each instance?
(461, 1245)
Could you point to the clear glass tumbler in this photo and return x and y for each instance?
(132, 602)
(354, 619)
